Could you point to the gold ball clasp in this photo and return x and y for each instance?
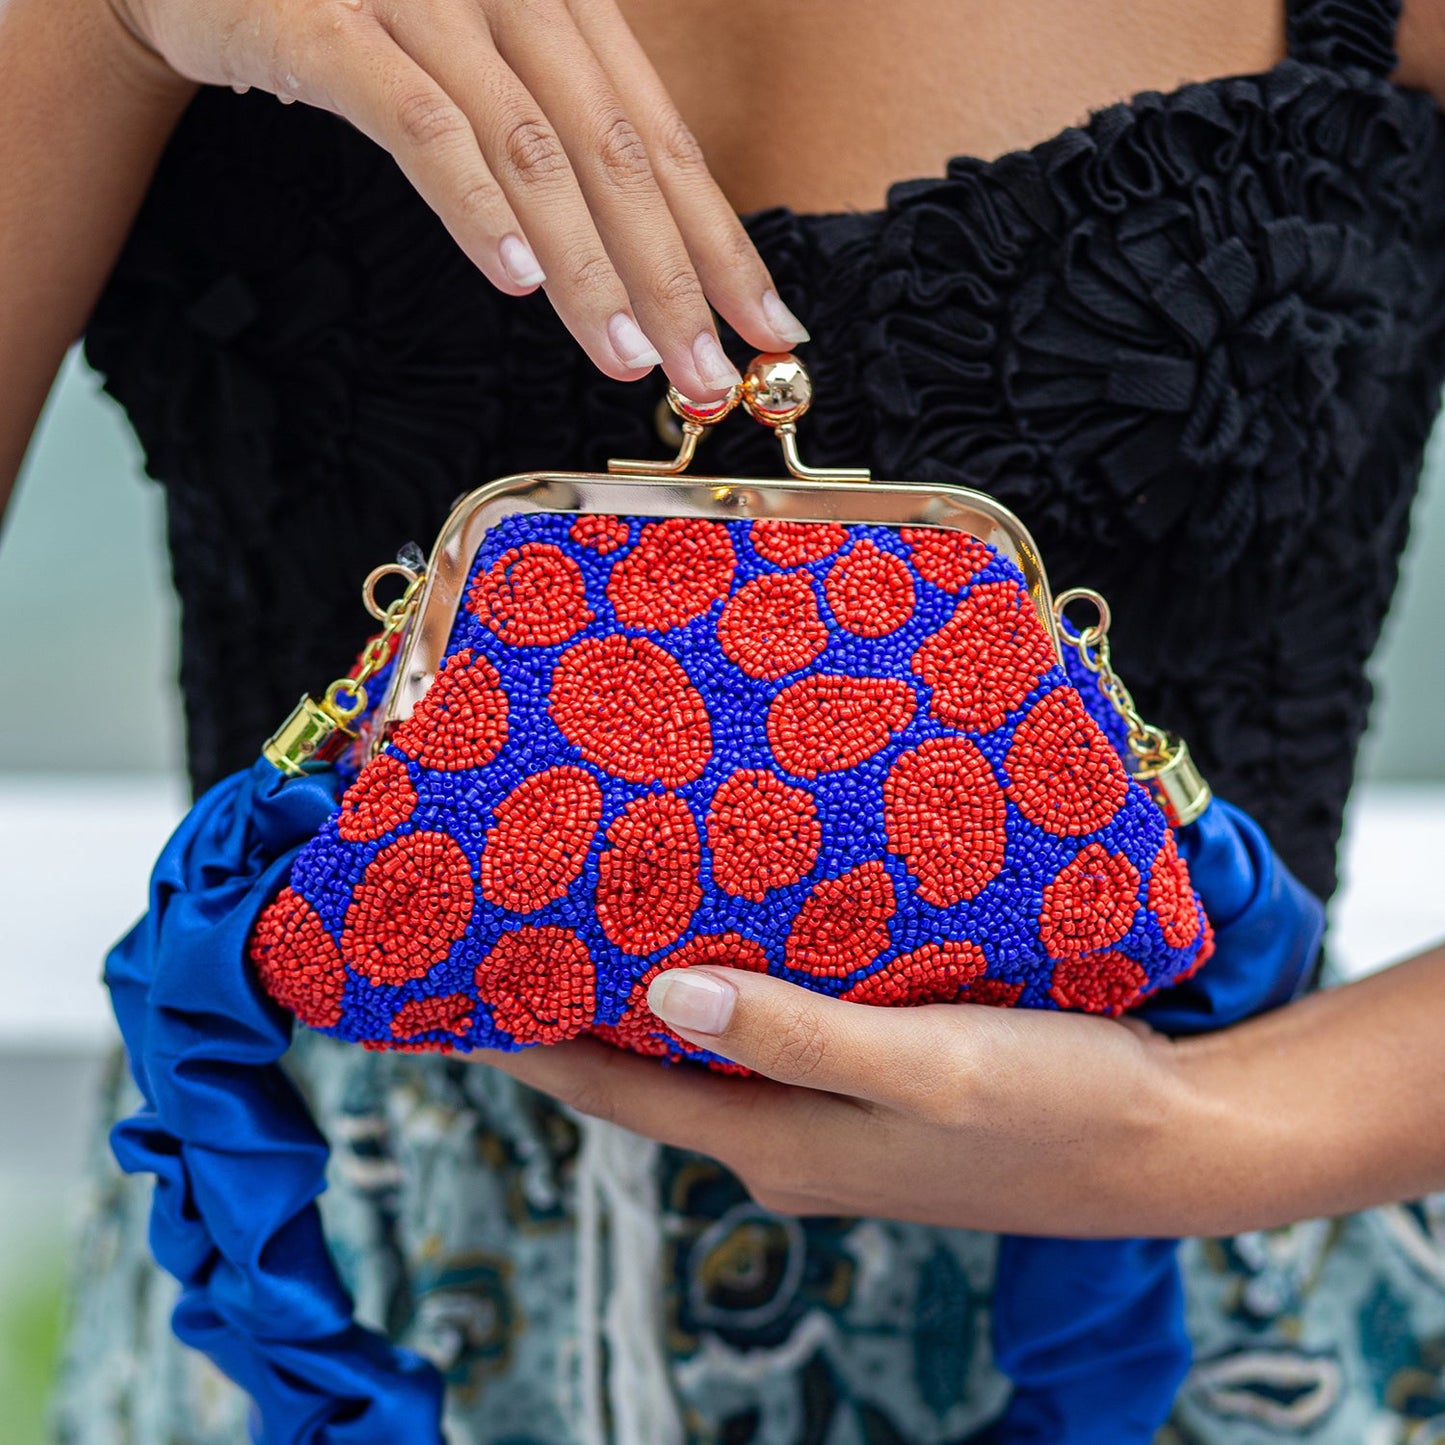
(777, 389)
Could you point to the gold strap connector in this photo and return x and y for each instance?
(318, 732)
(1161, 759)
(313, 735)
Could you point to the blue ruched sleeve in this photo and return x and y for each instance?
(237, 1159)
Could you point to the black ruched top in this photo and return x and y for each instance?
(1197, 344)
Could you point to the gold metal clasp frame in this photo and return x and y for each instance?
(776, 392)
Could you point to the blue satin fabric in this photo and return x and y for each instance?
(237, 1159)
(1091, 1332)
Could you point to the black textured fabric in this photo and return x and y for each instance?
(1196, 345)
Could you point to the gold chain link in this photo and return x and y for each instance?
(1151, 745)
(346, 697)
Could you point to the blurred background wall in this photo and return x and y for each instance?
(89, 786)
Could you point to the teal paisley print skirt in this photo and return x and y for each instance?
(580, 1286)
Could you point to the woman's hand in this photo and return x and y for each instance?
(948, 1114)
(540, 134)
(1038, 1122)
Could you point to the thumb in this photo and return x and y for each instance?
(792, 1034)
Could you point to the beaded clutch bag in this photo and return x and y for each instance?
(826, 727)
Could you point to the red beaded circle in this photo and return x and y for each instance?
(1097, 983)
(446, 1013)
(648, 884)
(599, 533)
(413, 902)
(462, 721)
(677, 570)
(298, 961)
(540, 984)
(532, 596)
(948, 558)
(991, 993)
(795, 544)
(762, 833)
(771, 625)
(945, 816)
(538, 846)
(627, 705)
(934, 973)
(843, 924)
(986, 659)
(1091, 904)
(380, 800)
(1064, 776)
(870, 591)
(1171, 897)
(826, 724)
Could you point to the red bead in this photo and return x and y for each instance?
(762, 834)
(297, 960)
(447, 1014)
(647, 876)
(1098, 983)
(540, 984)
(870, 591)
(538, 846)
(1064, 776)
(413, 903)
(1091, 903)
(948, 558)
(602, 534)
(462, 720)
(843, 925)
(380, 800)
(1171, 896)
(986, 659)
(627, 705)
(677, 570)
(826, 724)
(771, 625)
(932, 974)
(991, 993)
(945, 816)
(532, 596)
(795, 544)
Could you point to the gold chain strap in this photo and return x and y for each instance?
(317, 732)
(1161, 759)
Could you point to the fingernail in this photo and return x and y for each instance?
(712, 362)
(631, 346)
(694, 1001)
(519, 263)
(782, 320)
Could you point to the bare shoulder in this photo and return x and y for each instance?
(1421, 46)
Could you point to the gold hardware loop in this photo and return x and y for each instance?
(368, 588)
(1152, 746)
(345, 711)
(1093, 635)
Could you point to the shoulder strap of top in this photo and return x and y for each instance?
(1344, 32)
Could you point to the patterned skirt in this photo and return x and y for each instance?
(578, 1285)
